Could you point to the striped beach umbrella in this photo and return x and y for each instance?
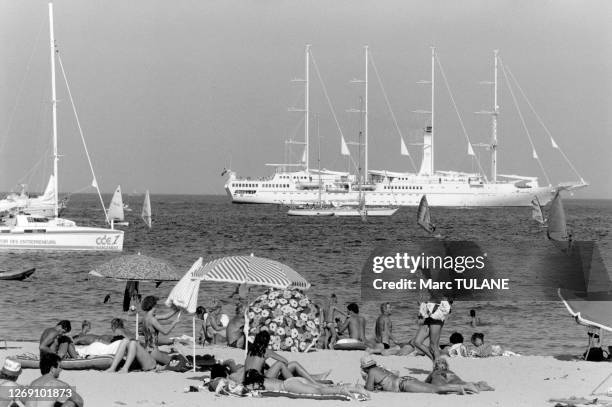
(137, 267)
(253, 271)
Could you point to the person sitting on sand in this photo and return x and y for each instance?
(66, 394)
(355, 323)
(213, 326)
(257, 354)
(54, 340)
(441, 375)
(152, 328)
(379, 378)
(235, 329)
(329, 317)
(11, 369)
(384, 341)
(456, 348)
(133, 351)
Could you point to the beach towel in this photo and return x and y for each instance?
(341, 397)
(98, 349)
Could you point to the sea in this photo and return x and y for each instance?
(329, 252)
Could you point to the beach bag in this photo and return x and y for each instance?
(179, 363)
(595, 355)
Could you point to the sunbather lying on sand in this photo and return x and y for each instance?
(256, 360)
(442, 375)
(378, 378)
(299, 385)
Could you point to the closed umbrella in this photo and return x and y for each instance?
(251, 270)
(185, 296)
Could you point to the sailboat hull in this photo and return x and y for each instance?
(55, 239)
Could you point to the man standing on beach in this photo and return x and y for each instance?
(66, 395)
(354, 322)
(330, 326)
(54, 340)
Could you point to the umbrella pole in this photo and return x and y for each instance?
(136, 325)
(193, 328)
(246, 329)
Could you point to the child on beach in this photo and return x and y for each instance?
(456, 348)
(485, 350)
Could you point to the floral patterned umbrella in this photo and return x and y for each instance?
(289, 316)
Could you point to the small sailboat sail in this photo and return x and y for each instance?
(557, 227)
(536, 211)
(115, 210)
(424, 217)
(146, 210)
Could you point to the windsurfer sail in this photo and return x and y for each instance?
(423, 216)
(536, 211)
(115, 210)
(146, 210)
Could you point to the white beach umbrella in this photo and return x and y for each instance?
(185, 296)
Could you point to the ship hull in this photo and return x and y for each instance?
(487, 196)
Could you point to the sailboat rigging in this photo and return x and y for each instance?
(27, 231)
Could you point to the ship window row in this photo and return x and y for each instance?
(402, 187)
(241, 185)
(275, 185)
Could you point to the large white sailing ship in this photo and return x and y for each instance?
(383, 187)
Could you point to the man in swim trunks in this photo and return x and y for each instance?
(355, 323)
(378, 378)
(54, 340)
(235, 329)
(385, 343)
(50, 369)
(330, 325)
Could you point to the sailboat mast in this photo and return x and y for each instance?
(307, 106)
(54, 111)
(494, 123)
(318, 155)
(433, 75)
(365, 120)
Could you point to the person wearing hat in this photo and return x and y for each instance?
(11, 369)
(379, 378)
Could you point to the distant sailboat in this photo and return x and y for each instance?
(115, 211)
(536, 211)
(424, 217)
(146, 210)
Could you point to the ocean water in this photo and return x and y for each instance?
(329, 252)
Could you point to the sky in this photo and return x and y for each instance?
(169, 93)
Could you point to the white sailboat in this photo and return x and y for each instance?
(26, 231)
(146, 210)
(536, 211)
(116, 216)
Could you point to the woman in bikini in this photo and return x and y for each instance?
(151, 328)
(256, 361)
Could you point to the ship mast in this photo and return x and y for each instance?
(494, 115)
(307, 105)
(54, 111)
(433, 78)
(365, 118)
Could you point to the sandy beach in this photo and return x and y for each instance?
(519, 381)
